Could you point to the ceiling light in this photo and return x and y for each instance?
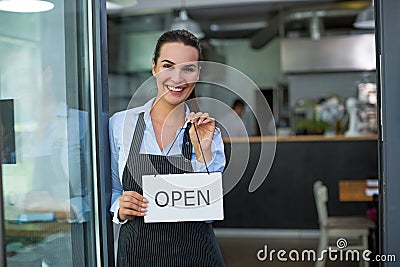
(184, 22)
(112, 6)
(365, 19)
(119, 4)
(25, 6)
(316, 27)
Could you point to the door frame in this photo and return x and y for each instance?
(388, 63)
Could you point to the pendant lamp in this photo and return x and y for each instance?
(184, 22)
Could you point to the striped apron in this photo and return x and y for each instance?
(163, 244)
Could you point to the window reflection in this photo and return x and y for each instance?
(47, 191)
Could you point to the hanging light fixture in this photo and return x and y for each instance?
(25, 6)
(184, 22)
(112, 6)
(119, 4)
(316, 26)
(366, 18)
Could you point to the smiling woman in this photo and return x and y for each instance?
(165, 137)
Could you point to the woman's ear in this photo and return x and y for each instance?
(153, 68)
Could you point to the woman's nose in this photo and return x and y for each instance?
(176, 76)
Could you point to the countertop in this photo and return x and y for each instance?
(300, 138)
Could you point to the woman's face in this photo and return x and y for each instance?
(176, 72)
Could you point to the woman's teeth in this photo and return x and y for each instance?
(175, 89)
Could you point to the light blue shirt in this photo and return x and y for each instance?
(121, 129)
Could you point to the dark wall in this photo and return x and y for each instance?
(285, 199)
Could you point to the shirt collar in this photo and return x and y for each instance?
(147, 108)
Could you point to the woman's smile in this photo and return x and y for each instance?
(176, 89)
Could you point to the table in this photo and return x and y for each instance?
(357, 190)
(37, 229)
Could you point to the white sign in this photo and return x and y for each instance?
(183, 197)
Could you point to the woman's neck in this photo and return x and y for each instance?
(166, 114)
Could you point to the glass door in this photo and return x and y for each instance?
(46, 136)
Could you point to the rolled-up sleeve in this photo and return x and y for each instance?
(217, 163)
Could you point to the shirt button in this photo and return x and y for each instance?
(186, 160)
(187, 143)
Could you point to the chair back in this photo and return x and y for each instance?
(321, 198)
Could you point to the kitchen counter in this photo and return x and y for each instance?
(285, 199)
(301, 138)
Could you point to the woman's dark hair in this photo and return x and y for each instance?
(187, 38)
(177, 36)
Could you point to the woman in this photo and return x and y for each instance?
(164, 137)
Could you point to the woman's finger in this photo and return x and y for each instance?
(132, 206)
(190, 116)
(202, 117)
(198, 117)
(193, 117)
(130, 199)
(207, 120)
(124, 214)
(135, 195)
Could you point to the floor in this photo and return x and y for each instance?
(242, 251)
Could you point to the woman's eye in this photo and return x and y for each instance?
(189, 69)
(168, 66)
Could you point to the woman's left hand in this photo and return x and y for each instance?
(205, 126)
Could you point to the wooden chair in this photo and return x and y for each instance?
(332, 228)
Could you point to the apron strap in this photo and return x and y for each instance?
(138, 135)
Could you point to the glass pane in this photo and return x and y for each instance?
(45, 132)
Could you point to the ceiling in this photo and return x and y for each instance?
(246, 19)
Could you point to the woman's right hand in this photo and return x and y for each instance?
(131, 204)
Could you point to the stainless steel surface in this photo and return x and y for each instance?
(254, 19)
(333, 53)
(143, 5)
